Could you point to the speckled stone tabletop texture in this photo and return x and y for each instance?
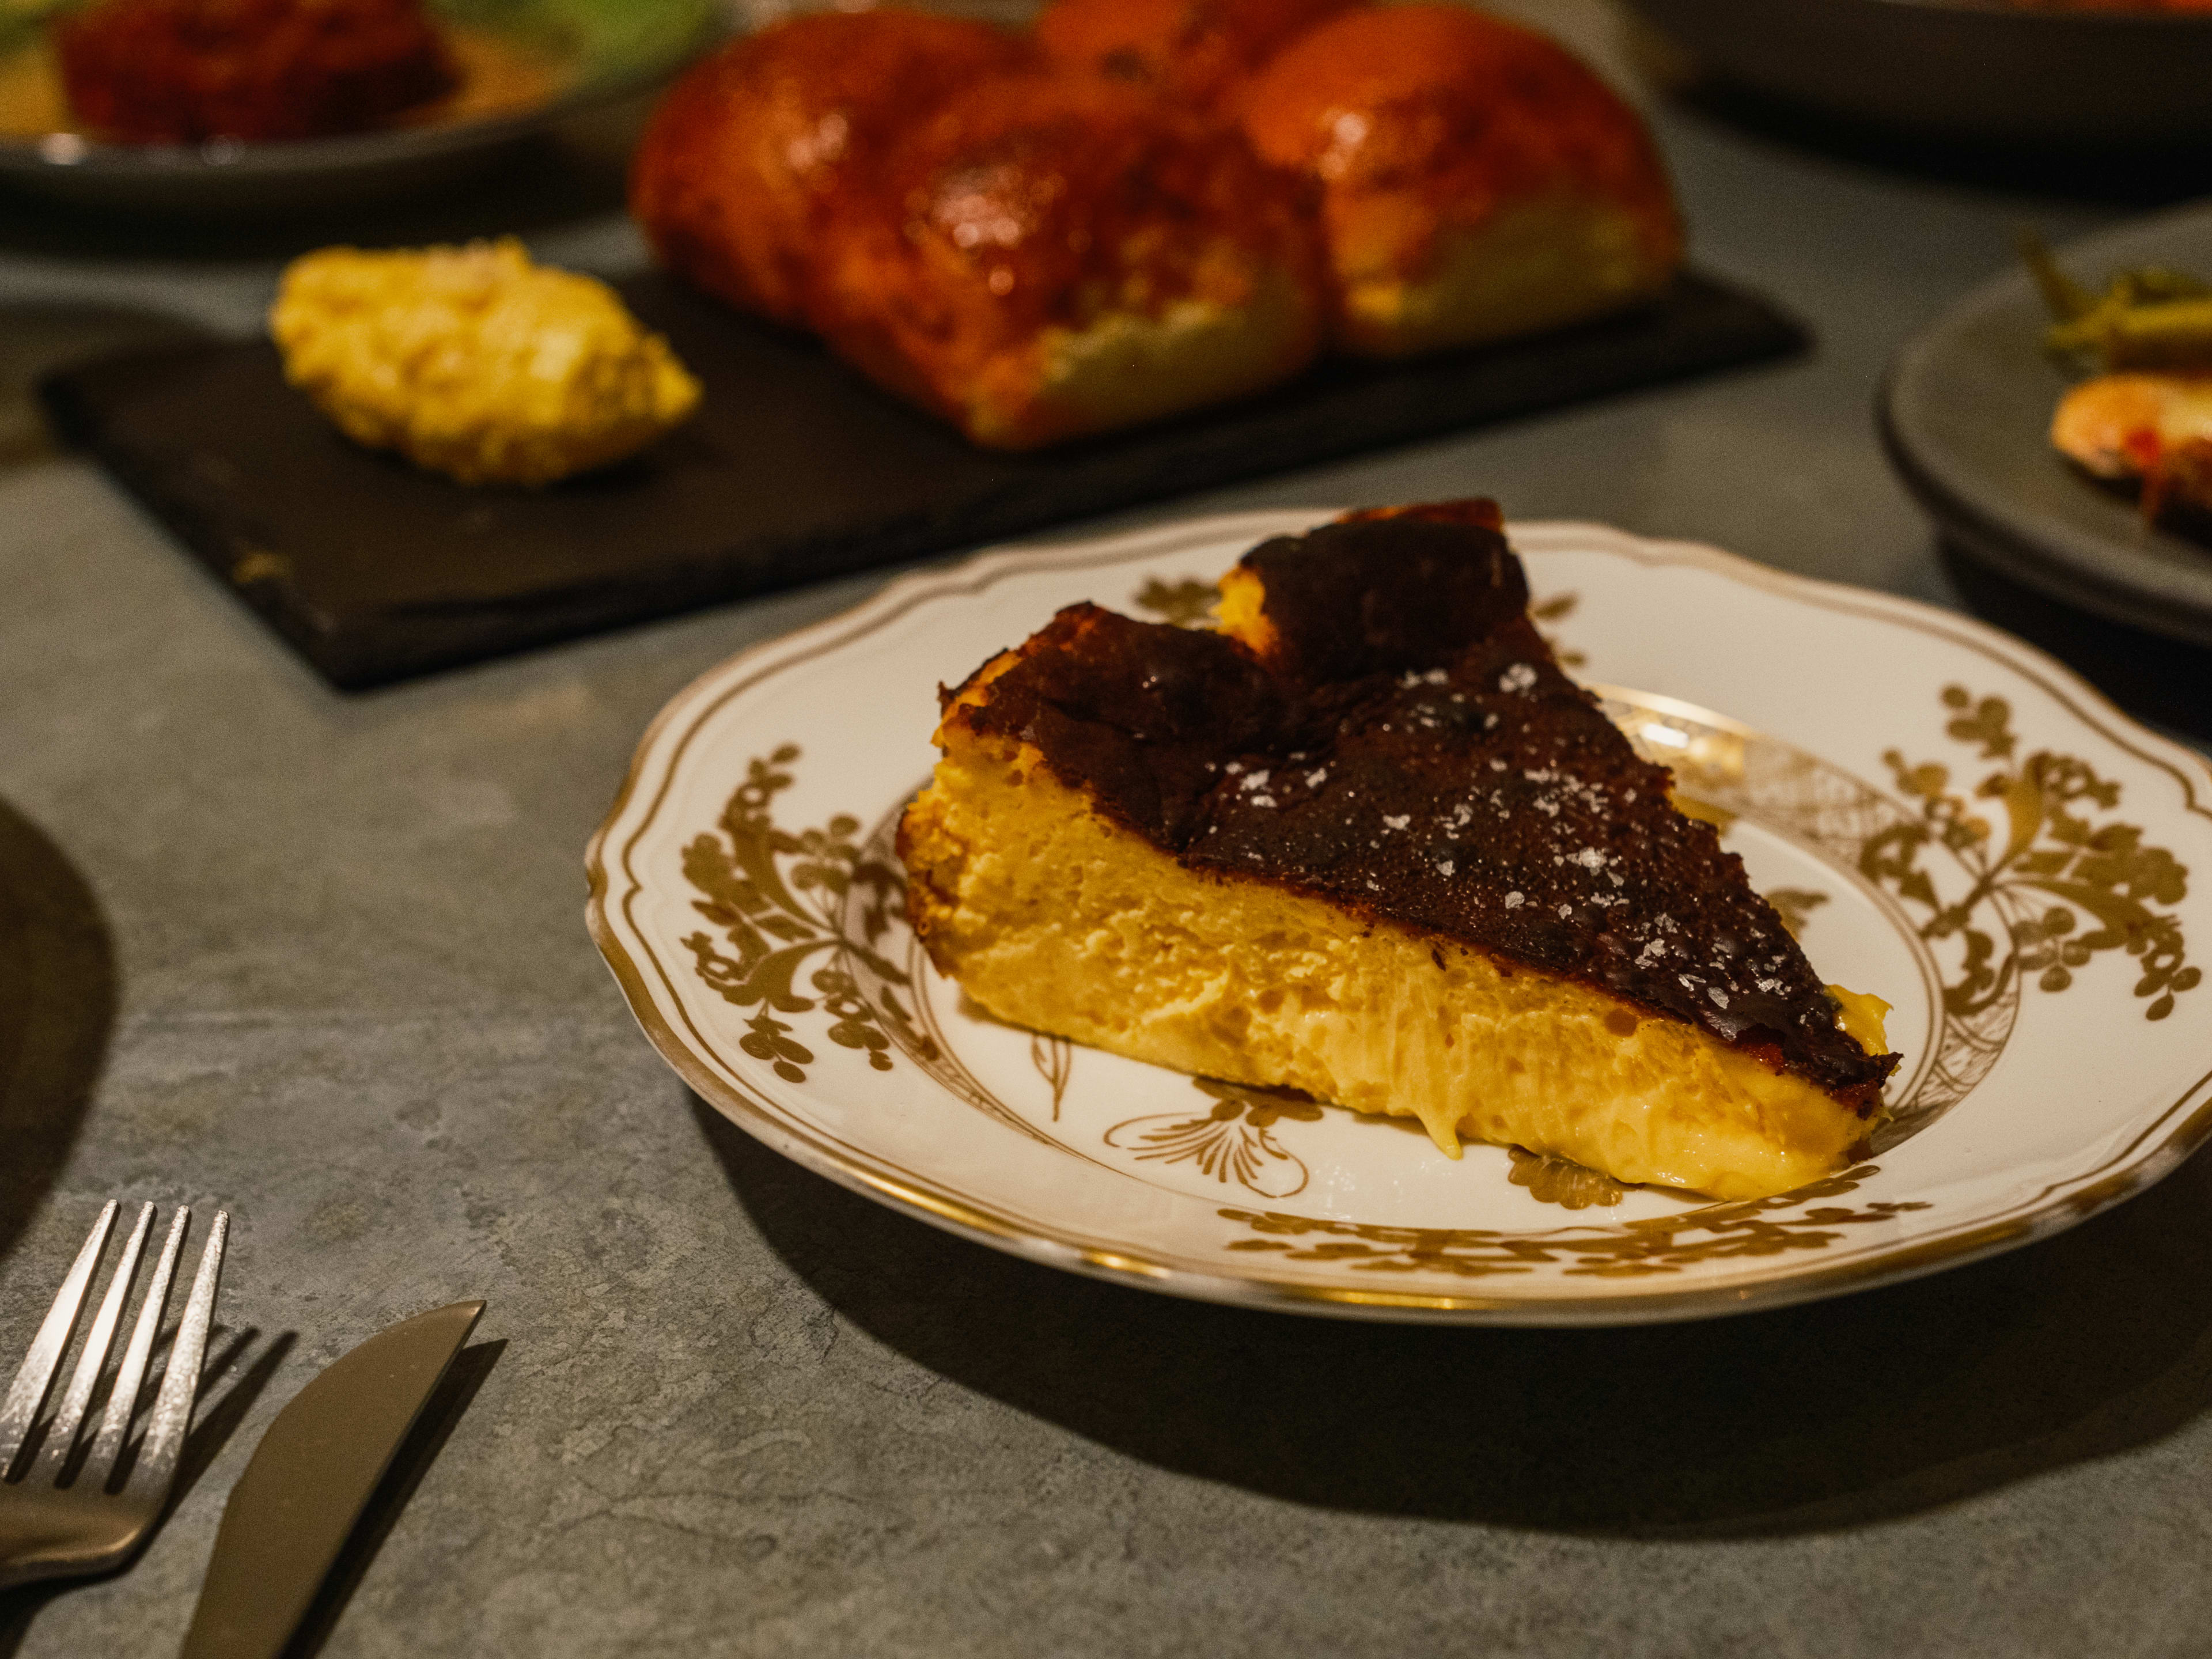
(321, 959)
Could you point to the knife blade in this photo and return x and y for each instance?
(308, 1480)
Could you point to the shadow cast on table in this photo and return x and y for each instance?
(222, 1408)
(1832, 1415)
(57, 1002)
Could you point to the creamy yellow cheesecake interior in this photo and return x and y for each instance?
(1061, 922)
(1087, 862)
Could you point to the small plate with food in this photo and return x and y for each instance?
(2052, 423)
(1128, 214)
(186, 107)
(1403, 915)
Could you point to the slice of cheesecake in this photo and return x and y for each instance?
(1368, 841)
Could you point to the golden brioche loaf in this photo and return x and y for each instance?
(1174, 203)
(1477, 181)
(1052, 253)
(748, 150)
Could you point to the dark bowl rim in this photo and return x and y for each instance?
(2050, 15)
(233, 159)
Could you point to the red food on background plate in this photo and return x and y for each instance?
(180, 71)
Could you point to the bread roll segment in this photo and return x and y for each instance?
(750, 148)
(1052, 254)
(1477, 181)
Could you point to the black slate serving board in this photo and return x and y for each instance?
(794, 470)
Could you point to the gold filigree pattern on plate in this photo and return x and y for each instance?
(1235, 1141)
(779, 898)
(1561, 1182)
(2047, 847)
(1718, 1232)
(1054, 1059)
(1795, 906)
(1558, 609)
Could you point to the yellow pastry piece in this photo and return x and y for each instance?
(475, 362)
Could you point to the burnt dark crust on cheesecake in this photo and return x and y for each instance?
(1409, 748)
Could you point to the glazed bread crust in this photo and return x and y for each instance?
(1052, 253)
(751, 148)
(1476, 179)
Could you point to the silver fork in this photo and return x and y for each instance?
(58, 1518)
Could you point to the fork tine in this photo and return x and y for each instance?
(123, 1398)
(181, 1378)
(29, 1391)
(68, 1416)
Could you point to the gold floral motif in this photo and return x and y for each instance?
(1054, 1059)
(2048, 847)
(1561, 1182)
(1186, 604)
(780, 898)
(1233, 1142)
(1794, 907)
(1558, 609)
(1668, 1245)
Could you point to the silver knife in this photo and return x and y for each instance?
(308, 1480)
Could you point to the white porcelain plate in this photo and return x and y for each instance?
(1949, 819)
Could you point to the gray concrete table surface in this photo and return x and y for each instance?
(321, 959)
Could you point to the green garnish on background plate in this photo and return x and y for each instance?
(2148, 318)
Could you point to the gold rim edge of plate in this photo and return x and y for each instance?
(2045, 1214)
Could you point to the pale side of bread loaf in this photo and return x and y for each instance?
(1534, 265)
(1126, 368)
(1476, 180)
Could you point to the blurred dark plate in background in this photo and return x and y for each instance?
(1988, 72)
(1965, 413)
